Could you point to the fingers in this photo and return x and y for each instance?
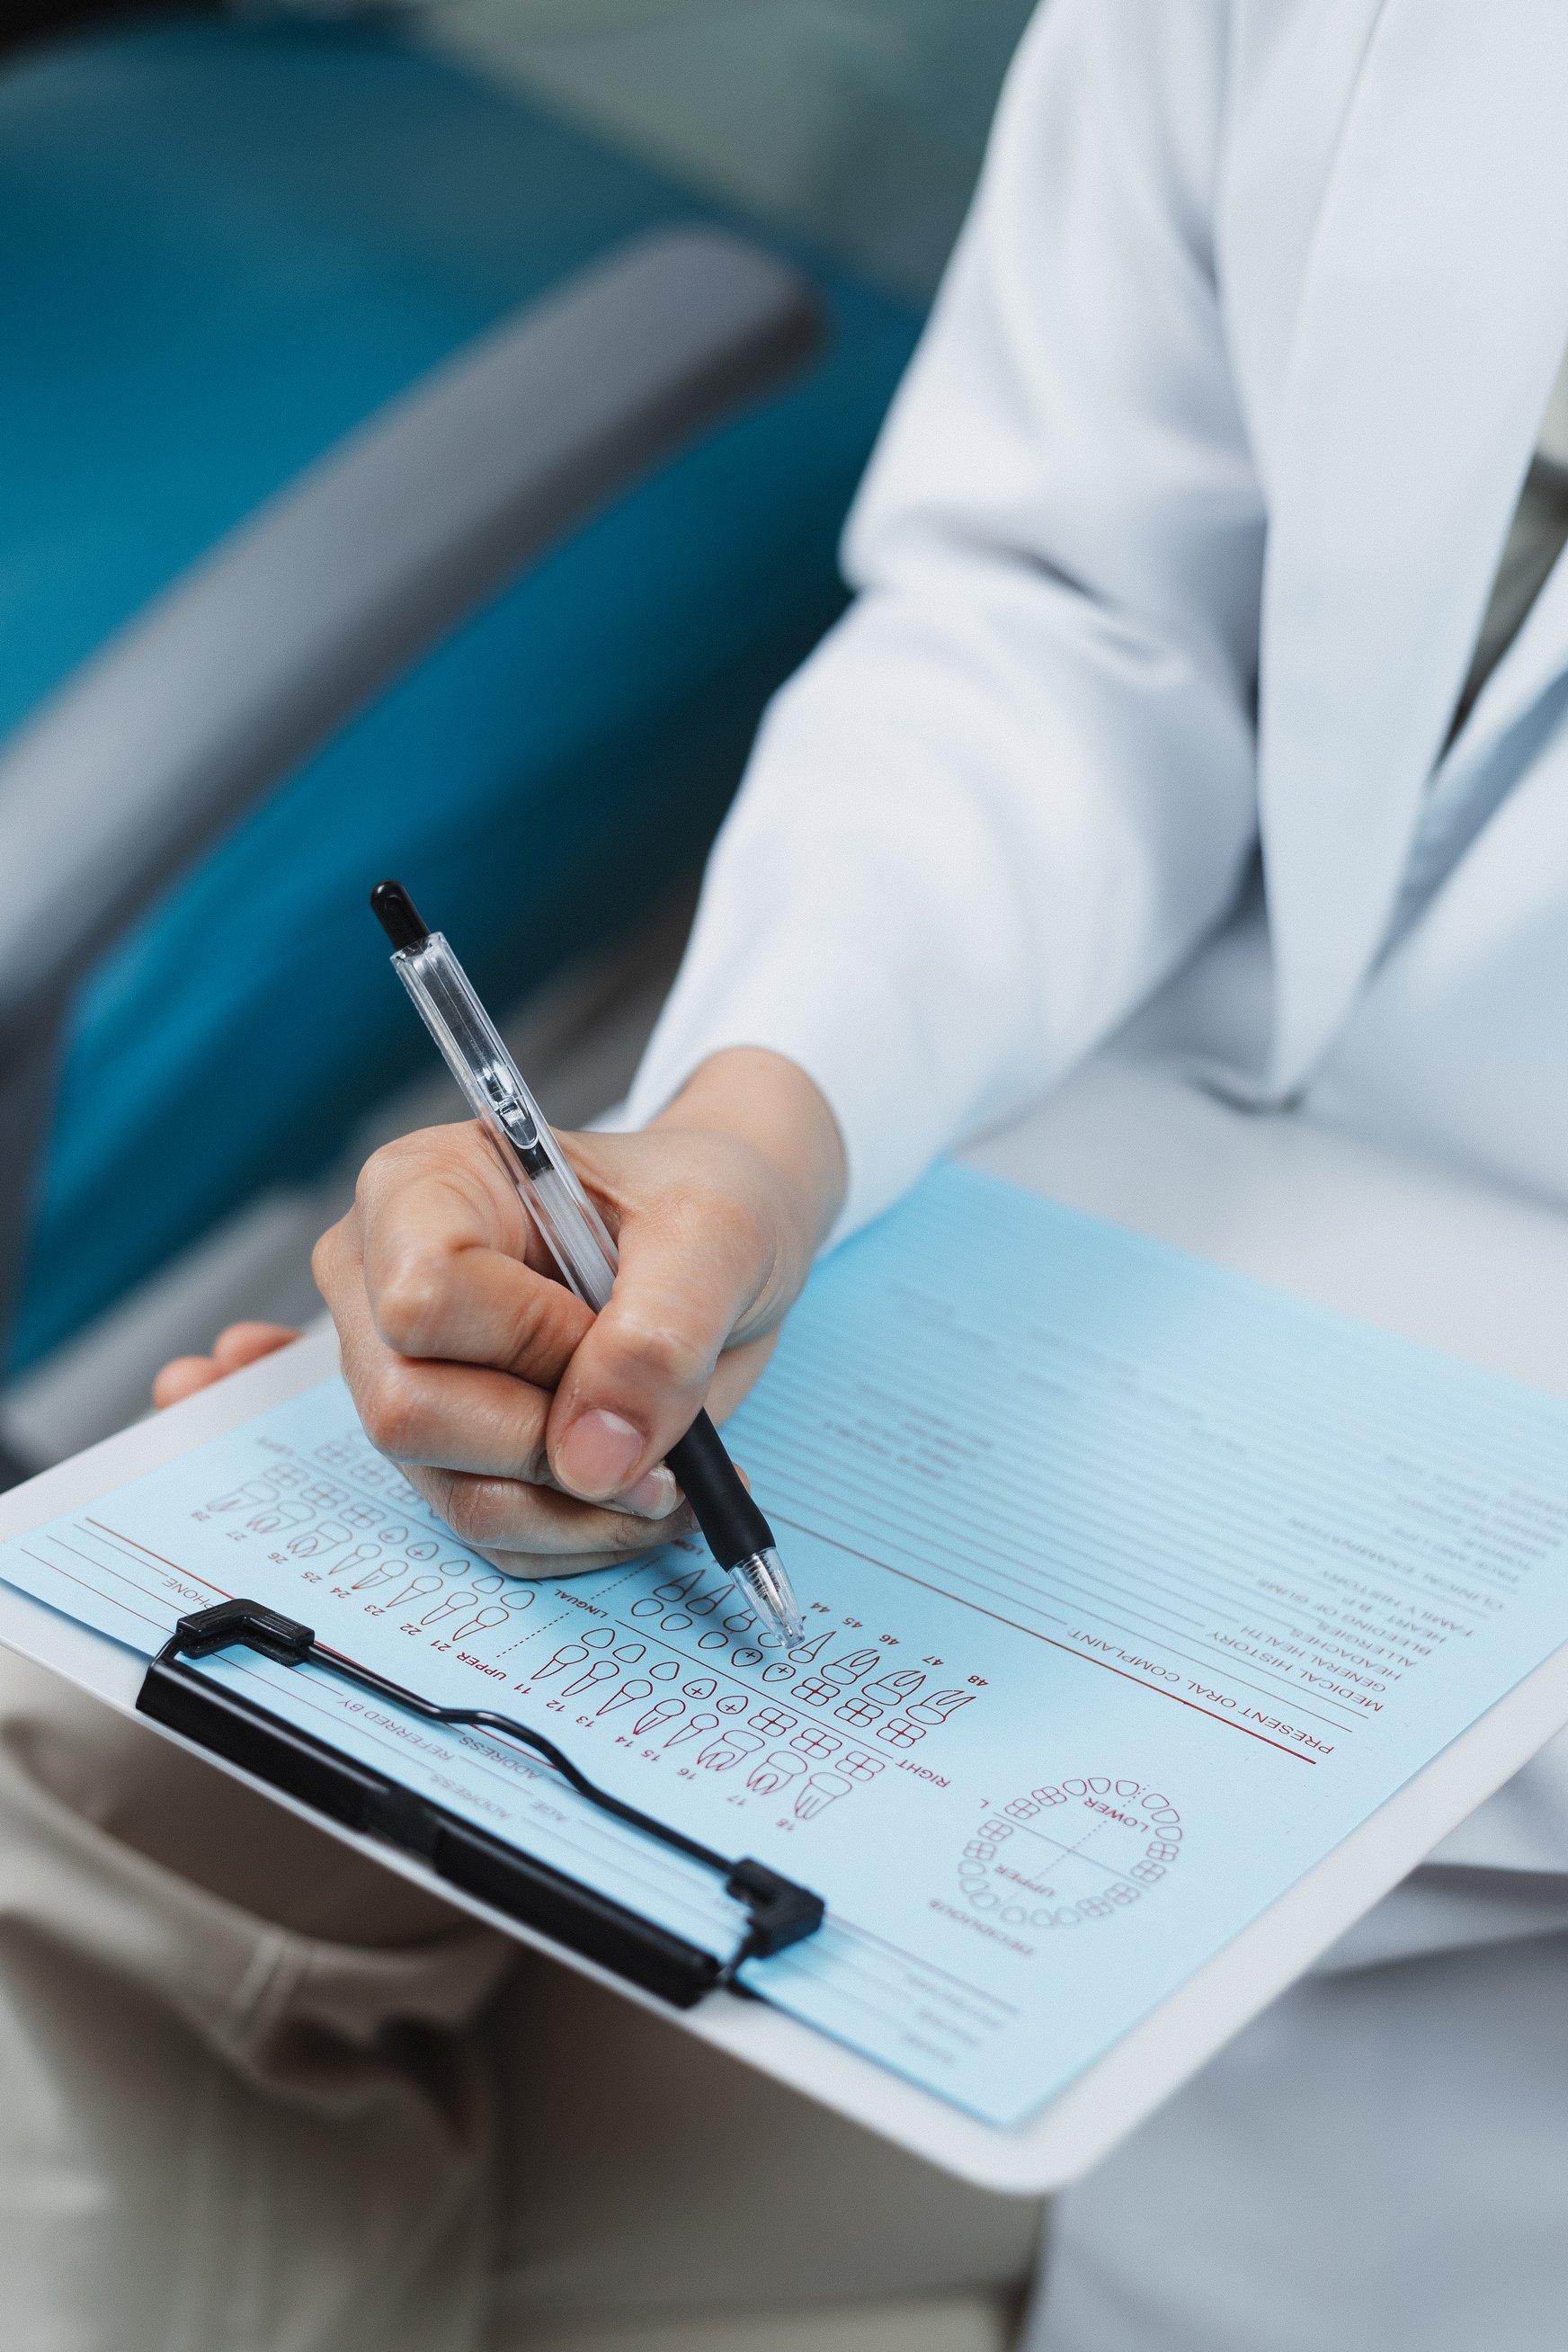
(537, 1432)
(451, 1348)
(737, 1373)
(182, 1378)
(451, 1266)
(246, 1343)
(537, 1531)
(453, 1399)
(534, 1567)
(240, 1344)
(470, 1429)
(472, 1441)
(642, 1370)
(454, 1416)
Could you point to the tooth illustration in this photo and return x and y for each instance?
(860, 1711)
(601, 1671)
(823, 1789)
(774, 1772)
(693, 1730)
(627, 1696)
(858, 1765)
(852, 1666)
(723, 1755)
(410, 1592)
(629, 1653)
(665, 1670)
(891, 1688)
(937, 1705)
(572, 1655)
(451, 1606)
(382, 1575)
(486, 1619)
(816, 1692)
(657, 1715)
(774, 1723)
(326, 1537)
(275, 1516)
(260, 1490)
(322, 1495)
(704, 1688)
(678, 1587)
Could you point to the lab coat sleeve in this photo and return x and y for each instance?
(1014, 786)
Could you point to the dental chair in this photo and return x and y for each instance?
(399, 480)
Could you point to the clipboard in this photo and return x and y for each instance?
(527, 1888)
(1107, 2101)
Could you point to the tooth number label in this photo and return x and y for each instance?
(1071, 1851)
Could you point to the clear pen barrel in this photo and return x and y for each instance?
(471, 1047)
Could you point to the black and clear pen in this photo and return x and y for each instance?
(572, 1231)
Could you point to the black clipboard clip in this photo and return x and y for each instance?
(779, 1913)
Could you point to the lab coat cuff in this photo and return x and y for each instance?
(841, 1020)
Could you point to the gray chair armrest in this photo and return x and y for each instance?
(262, 649)
(292, 623)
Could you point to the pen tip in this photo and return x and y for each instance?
(398, 915)
(772, 1596)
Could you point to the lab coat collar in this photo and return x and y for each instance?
(1534, 663)
(1432, 316)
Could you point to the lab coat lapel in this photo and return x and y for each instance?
(1433, 314)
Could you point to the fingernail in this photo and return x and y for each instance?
(654, 1496)
(596, 1455)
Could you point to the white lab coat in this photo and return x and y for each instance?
(1173, 553)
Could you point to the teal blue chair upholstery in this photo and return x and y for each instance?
(222, 247)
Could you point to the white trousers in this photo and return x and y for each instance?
(1380, 2162)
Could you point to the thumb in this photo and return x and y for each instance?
(639, 1376)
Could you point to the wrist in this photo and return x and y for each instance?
(765, 1102)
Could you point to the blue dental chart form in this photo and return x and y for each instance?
(1132, 1590)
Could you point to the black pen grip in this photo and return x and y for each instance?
(726, 1514)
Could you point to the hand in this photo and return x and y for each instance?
(240, 1344)
(535, 1430)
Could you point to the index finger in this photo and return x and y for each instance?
(452, 1263)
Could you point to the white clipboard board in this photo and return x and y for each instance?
(1096, 1144)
